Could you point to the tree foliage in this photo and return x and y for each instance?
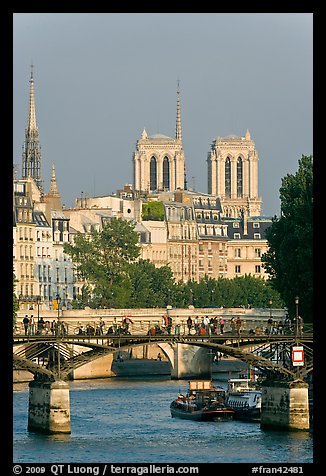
(153, 211)
(102, 259)
(245, 291)
(288, 260)
(115, 277)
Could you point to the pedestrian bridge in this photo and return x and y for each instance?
(188, 354)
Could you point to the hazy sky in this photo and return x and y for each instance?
(100, 78)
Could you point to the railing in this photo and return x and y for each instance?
(154, 330)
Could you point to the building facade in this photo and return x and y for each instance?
(232, 165)
(159, 161)
(219, 234)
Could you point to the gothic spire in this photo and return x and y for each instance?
(31, 113)
(178, 130)
(53, 184)
(31, 148)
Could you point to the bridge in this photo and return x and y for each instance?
(100, 345)
(271, 355)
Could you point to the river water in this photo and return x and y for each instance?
(119, 420)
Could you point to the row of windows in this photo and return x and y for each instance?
(236, 224)
(25, 233)
(45, 291)
(237, 236)
(237, 252)
(237, 269)
(25, 215)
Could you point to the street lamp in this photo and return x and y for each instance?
(296, 300)
(270, 308)
(58, 298)
(38, 300)
(58, 332)
(20, 299)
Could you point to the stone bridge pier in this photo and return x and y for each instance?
(285, 405)
(188, 361)
(49, 407)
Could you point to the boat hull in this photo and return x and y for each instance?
(251, 414)
(223, 414)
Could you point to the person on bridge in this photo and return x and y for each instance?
(31, 325)
(238, 324)
(189, 324)
(101, 326)
(221, 323)
(206, 325)
(300, 325)
(177, 326)
(26, 322)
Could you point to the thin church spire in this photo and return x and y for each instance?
(31, 112)
(53, 184)
(31, 156)
(178, 130)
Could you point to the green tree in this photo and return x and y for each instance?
(151, 286)
(102, 259)
(288, 260)
(153, 211)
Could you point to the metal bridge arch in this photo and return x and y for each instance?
(113, 345)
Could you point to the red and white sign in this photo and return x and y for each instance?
(297, 356)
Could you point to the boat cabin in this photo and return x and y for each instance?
(240, 385)
(204, 393)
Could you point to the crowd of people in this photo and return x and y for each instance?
(39, 326)
(193, 325)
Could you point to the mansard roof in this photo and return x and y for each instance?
(40, 219)
(207, 203)
(256, 225)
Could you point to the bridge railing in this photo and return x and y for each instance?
(154, 326)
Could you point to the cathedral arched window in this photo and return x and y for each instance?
(239, 177)
(166, 173)
(153, 174)
(228, 177)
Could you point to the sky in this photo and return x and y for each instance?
(100, 78)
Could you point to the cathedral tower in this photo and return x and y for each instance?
(159, 160)
(233, 175)
(31, 156)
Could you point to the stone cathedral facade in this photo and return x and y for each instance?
(159, 161)
(232, 165)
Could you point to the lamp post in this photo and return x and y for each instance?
(20, 299)
(58, 298)
(38, 300)
(58, 332)
(296, 327)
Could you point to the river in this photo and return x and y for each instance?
(120, 420)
